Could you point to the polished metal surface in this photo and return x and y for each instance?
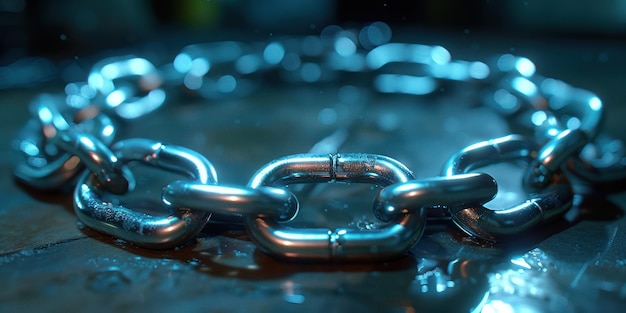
(128, 101)
(571, 263)
(51, 150)
(342, 244)
(271, 202)
(505, 224)
(96, 210)
(551, 157)
(116, 83)
(507, 148)
(502, 224)
(438, 192)
(602, 161)
(96, 156)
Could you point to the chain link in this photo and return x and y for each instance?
(72, 132)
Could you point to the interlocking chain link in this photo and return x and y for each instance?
(71, 132)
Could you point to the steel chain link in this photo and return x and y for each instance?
(70, 132)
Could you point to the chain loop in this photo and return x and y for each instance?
(270, 202)
(343, 244)
(69, 132)
(110, 78)
(498, 225)
(601, 161)
(53, 149)
(402, 198)
(551, 157)
(124, 220)
(97, 157)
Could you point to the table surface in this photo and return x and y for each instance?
(49, 263)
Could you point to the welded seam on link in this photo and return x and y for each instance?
(334, 162)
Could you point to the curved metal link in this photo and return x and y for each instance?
(496, 225)
(601, 161)
(52, 151)
(276, 203)
(97, 157)
(574, 108)
(511, 147)
(342, 244)
(63, 136)
(432, 62)
(143, 229)
(107, 75)
(552, 157)
(402, 198)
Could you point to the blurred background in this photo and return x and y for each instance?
(45, 41)
(66, 28)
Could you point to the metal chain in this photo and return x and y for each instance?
(71, 132)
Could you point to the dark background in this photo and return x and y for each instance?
(65, 28)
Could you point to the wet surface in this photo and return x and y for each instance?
(49, 262)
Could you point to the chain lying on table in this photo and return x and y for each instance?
(70, 132)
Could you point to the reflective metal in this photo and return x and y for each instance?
(406, 53)
(552, 156)
(601, 161)
(401, 198)
(276, 203)
(124, 221)
(45, 163)
(129, 101)
(318, 168)
(342, 244)
(422, 60)
(58, 140)
(505, 224)
(546, 125)
(97, 157)
(573, 107)
(496, 225)
(511, 147)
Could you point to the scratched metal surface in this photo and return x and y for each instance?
(49, 263)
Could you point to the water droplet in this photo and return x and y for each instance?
(537, 260)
